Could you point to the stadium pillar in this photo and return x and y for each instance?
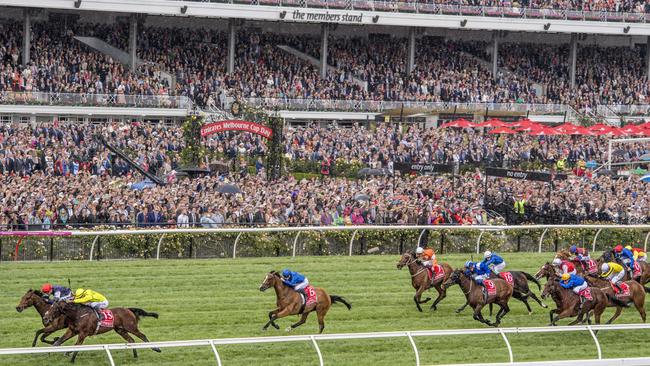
(495, 54)
(133, 42)
(27, 36)
(411, 60)
(324, 32)
(231, 46)
(574, 57)
(647, 58)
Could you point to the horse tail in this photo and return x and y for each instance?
(532, 279)
(617, 302)
(139, 313)
(336, 299)
(647, 289)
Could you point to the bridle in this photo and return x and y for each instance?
(411, 261)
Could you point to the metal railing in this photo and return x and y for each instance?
(381, 106)
(450, 9)
(95, 100)
(624, 110)
(314, 339)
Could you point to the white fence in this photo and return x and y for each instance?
(213, 343)
(355, 229)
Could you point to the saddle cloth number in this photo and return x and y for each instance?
(625, 290)
(586, 293)
(637, 269)
(591, 266)
(108, 319)
(490, 287)
(508, 277)
(438, 271)
(311, 295)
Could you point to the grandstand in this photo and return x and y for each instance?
(190, 120)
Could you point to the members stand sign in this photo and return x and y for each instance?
(523, 175)
(236, 125)
(423, 168)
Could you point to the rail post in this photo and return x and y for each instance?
(505, 339)
(593, 335)
(110, 356)
(158, 246)
(421, 234)
(541, 239)
(645, 244)
(295, 242)
(320, 356)
(92, 248)
(478, 242)
(51, 248)
(216, 353)
(415, 349)
(354, 234)
(593, 244)
(234, 247)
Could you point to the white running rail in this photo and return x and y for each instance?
(314, 339)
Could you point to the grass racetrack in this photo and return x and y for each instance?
(199, 299)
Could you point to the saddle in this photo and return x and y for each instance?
(435, 273)
(586, 293)
(105, 319)
(308, 297)
(625, 290)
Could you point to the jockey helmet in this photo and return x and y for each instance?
(286, 273)
(628, 247)
(469, 264)
(79, 292)
(46, 288)
(557, 261)
(618, 248)
(487, 254)
(573, 249)
(565, 276)
(419, 250)
(604, 268)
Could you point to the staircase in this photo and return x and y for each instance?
(132, 163)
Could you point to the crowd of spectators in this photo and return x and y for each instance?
(365, 68)
(60, 175)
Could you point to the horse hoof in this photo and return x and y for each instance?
(288, 329)
(530, 313)
(544, 306)
(157, 350)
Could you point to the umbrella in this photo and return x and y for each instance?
(529, 127)
(630, 129)
(639, 171)
(543, 132)
(522, 123)
(502, 130)
(581, 131)
(141, 186)
(229, 188)
(459, 123)
(362, 197)
(492, 123)
(645, 125)
(598, 127)
(646, 178)
(566, 128)
(645, 157)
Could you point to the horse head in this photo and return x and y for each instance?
(269, 280)
(29, 299)
(606, 256)
(454, 279)
(54, 312)
(563, 254)
(545, 271)
(407, 258)
(550, 287)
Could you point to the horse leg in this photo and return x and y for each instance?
(550, 313)
(303, 319)
(534, 297)
(502, 312)
(521, 296)
(478, 316)
(462, 307)
(321, 320)
(271, 320)
(143, 337)
(68, 334)
(564, 314)
(442, 293)
(639, 307)
(418, 295)
(38, 332)
(616, 315)
(80, 340)
(124, 334)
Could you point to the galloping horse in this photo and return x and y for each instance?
(35, 298)
(420, 279)
(566, 255)
(82, 320)
(289, 302)
(474, 295)
(636, 295)
(643, 278)
(567, 303)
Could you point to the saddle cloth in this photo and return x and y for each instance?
(490, 287)
(586, 293)
(592, 266)
(311, 296)
(106, 318)
(637, 269)
(436, 272)
(507, 276)
(625, 290)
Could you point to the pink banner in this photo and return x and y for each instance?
(35, 233)
(236, 125)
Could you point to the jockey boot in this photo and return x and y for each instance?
(618, 287)
(582, 302)
(303, 293)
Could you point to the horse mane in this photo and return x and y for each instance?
(37, 292)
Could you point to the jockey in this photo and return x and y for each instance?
(639, 254)
(581, 255)
(576, 283)
(90, 298)
(493, 261)
(295, 280)
(427, 256)
(564, 266)
(58, 293)
(613, 272)
(478, 271)
(625, 256)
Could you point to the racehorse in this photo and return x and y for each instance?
(521, 291)
(567, 303)
(636, 296)
(35, 298)
(289, 302)
(643, 278)
(420, 279)
(82, 320)
(474, 295)
(566, 255)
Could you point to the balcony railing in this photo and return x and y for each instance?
(95, 100)
(447, 9)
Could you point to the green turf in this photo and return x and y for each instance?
(200, 299)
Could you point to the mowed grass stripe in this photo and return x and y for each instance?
(200, 299)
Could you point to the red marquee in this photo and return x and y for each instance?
(236, 125)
